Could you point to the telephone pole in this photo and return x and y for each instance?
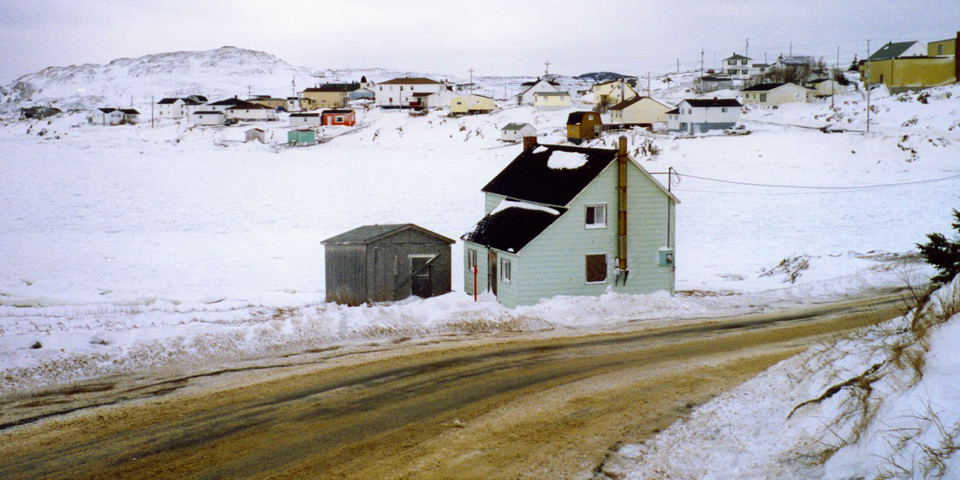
(746, 50)
(471, 80)
(867, 86)
(648, 84)
(701, 65)
(546, 70)
(678, 65)
(833, 81)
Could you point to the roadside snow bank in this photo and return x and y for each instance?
(883, 403)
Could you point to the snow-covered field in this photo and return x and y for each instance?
(879, 405)
(131, 246)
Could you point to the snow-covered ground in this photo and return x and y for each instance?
(879, 405)
(129, 246)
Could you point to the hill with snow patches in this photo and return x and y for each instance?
(133, 246)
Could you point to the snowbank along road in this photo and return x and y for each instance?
(505, 406)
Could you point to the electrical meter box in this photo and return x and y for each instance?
(666, 256)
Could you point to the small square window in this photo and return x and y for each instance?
(596, 268)
(505, 273)
(596, 216)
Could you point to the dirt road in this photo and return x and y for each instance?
(497, 406)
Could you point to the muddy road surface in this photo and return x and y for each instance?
(526, 405)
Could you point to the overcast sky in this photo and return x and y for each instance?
(493, 36)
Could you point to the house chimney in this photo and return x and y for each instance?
(622, 209)
(956, 66)
(529, 143)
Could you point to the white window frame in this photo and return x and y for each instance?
(472, 256)
(592, 226)
(606, 262)
(506, 273)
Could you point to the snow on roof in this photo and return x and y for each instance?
(515, 126)
(509, 203)
(561, 160)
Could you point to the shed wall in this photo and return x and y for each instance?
(345, 274)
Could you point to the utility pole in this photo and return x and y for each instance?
(678, 65)
(293, 86)
(648, 84)
(471, 80)
(248, 91)
(833, 81)
(701, 66)
(867, 84)
(790, 52)
(546, 70)
(746, 50)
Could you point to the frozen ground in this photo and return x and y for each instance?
(880, 405)
(130, 246)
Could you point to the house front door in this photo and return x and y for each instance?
(421, 284)
(492, 272)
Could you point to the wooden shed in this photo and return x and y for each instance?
(380, 263)
(583, 125)
(302, 136)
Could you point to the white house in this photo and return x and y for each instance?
(697, 115)
(293, 104)
(208, 117)
(526, 96)
(774, 94)
(826, 87)
(130, 115)
(514, 132)
(105, 116)
(305, 119)
(193, 104)
(251, 112)
(223, 105)
(639, 110)
(407, 92)
(170, 108)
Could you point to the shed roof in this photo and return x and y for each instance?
(410, 81)
(515, 126)
(576, 117)
(713, 102)
(337, 111)
(370, 233)
(763, 87)
(305, 115)
(892, 50)
(529, 178)
(512, 228)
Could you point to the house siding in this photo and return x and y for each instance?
(554, 262)
(491, 200)
(482, 254)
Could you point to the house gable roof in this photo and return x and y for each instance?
(208, 112)
(530, 85)
(166, 101)
(515, 126)
(107, 109)
(892, 50)
(633, 100)
(512, 228)
(712, 102)
(337, 111)
(736, 56)
(227, 101)
(371, 233)
(528, 177)
(130, 111)
(763, 87)
(410, 81)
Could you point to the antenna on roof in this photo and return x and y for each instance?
(546, 70)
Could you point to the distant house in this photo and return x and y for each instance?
(381, 263)
(514, 132)
(774, 94)
(301, 137)
(193, 104)
(826, 87)
(332, 95)
(892, 50)
(472, 103)
(942, 47)
(257, 134)
(223, 105)
(251, 112)
(737, 67)
(105, 116)
(559, 221)
(712, 83)
(412, 92)
(698, 115)
(268, 101)
(293, 104)
(362, 94)
(612, 92)
(583, 126)
(795, 61)
(551, 100)
(209, 117)
(342, 116)
(130, 115)
(529, 89)
(39, 112)
(639, 111)
(170, 108)
(305, 119)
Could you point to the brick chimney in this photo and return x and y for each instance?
(529, 143)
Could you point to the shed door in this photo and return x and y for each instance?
(492, 272)
(420, 273)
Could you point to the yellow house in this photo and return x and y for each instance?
(472, 103)
(326, 96)
(612, 92)
(911, 72)
(942, 47)
(551, 100)
(268, 101)
(639, 110)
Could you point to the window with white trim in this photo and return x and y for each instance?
(596, 268)
(595, 216)
(505, 273)
(471, 258)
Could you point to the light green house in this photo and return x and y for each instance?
(301, 136)
(551, 227)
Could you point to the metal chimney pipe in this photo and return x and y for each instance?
(622, 206)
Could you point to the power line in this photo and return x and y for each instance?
(819, 187)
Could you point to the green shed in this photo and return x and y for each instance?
(301, 136)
